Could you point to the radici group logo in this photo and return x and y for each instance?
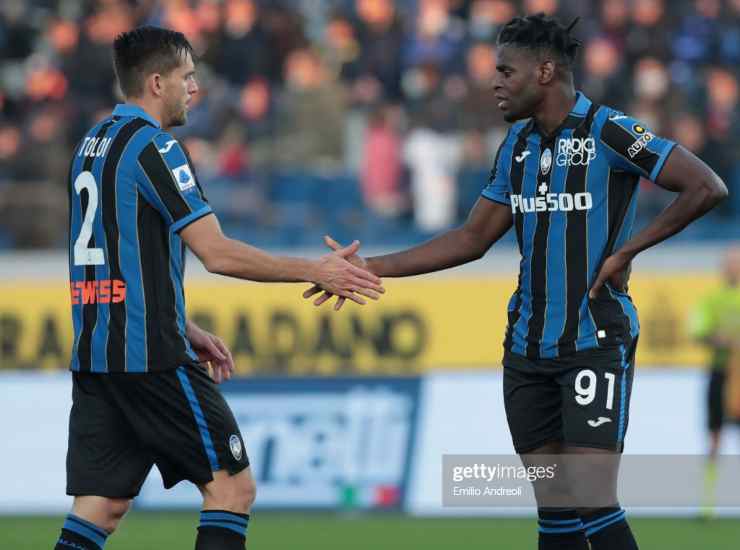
(575, 151)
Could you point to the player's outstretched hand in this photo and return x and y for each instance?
(211, 349)
(349, 253)
(615, 271)
(340, 274)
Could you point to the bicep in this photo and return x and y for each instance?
(203, 237)
(683, 170)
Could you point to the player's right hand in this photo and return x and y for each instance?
(354, 259)
(343, 273)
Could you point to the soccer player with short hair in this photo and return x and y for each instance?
(566, 178)
(140, 396)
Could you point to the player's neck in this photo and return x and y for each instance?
(149, 107)
(555, 108)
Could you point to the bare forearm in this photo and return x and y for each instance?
(240, 260)
(453, 248)
(687, 207)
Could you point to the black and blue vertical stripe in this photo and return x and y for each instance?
(141, 207)
(563, 247)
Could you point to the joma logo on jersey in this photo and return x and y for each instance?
(104, 291)
(575, 151)
(552, 202)
(640, 144)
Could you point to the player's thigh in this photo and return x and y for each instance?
(104, 456)
(233, 492)
(596, 386)
(186, 424)
(593, 474)
(533, 404)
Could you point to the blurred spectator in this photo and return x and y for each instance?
(380, 174)
(437, 38)
(549, 7)
(487, 17)
(310, 114)
(359, 86)
(434, 160)
(341, 48)
(381, 37)
(604, 78)
(243, 51)
(648, 34)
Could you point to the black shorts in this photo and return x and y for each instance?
(716, 399)
(121, 424)
(581, 400)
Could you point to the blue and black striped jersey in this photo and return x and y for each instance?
(573, 196)
(131, 189)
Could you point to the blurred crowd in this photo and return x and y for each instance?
(389, 97)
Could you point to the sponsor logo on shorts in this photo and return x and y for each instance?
(235, 444)
(601, 420)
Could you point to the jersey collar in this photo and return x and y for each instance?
(127, 109)
(573, 120)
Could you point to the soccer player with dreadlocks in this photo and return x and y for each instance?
(566, 178)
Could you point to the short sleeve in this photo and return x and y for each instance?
(632, 147)
(169, 184)
(499, 183)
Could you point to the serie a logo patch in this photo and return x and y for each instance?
(184, 177)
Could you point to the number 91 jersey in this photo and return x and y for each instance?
(573, 195)
(132, 189)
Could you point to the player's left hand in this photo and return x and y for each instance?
(210, 348)
(615, 271)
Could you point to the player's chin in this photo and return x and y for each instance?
(179, 120)
(512, 116)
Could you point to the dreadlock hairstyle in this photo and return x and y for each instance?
(541, 33)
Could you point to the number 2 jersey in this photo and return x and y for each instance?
(132, 189)
(573, 195)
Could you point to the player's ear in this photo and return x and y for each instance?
(154, 84)
(546, 72)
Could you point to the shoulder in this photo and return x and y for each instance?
(161, 144)
(164, 141)
(610, 122)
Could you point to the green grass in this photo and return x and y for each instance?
(156, 531)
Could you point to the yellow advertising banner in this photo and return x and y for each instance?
(420, 324)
